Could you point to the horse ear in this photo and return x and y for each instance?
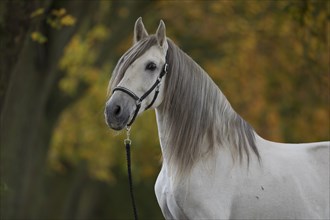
(161, 33)
(139, 31)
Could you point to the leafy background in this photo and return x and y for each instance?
(58, 158)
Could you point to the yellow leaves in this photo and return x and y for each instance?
(98, 33)
(69, 85)
(78, 60)
(60, 18)
(81, 134)
(102, 175)
(37, 12)
(272, 124)
(216, 7)
(68, 20)
(57, 19)
(195, 12)
(256, 53)
(58, 12)
(38, 37)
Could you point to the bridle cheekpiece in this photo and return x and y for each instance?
(138, 100)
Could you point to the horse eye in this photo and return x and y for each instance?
(151, 66)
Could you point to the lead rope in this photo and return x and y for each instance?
(128, 142)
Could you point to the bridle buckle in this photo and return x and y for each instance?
(138, 102)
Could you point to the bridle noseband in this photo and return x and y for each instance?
(138, 100)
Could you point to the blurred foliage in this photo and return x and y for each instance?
(274, 51)
(38, 37)
(270, 58)
(78, 63)
(79, 59)
(57, 19)
(37, 12)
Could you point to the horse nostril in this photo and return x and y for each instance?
(117, 110)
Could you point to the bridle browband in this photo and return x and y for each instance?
(138, 100)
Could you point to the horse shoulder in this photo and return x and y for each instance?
(197, 196)
(167, 196)
(205, 193)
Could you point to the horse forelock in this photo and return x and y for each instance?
(195, 110)
(136, 51)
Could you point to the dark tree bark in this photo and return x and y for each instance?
(31, 102)
(27, 122)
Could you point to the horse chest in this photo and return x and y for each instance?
(167, 197)
(189, 200)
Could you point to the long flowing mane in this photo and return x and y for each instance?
(195, 110)
(203, 140)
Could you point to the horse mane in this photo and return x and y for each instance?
(196, 110)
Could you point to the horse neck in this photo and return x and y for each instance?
(190, 117)
(195, 118)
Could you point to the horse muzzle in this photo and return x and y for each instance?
(119, 110)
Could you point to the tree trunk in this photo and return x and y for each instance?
(30, 100)
(26, 120)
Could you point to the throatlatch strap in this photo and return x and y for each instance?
(138, 106)
(153, 100)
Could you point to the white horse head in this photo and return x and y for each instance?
(137, 71)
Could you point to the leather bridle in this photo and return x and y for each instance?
(138, 100)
